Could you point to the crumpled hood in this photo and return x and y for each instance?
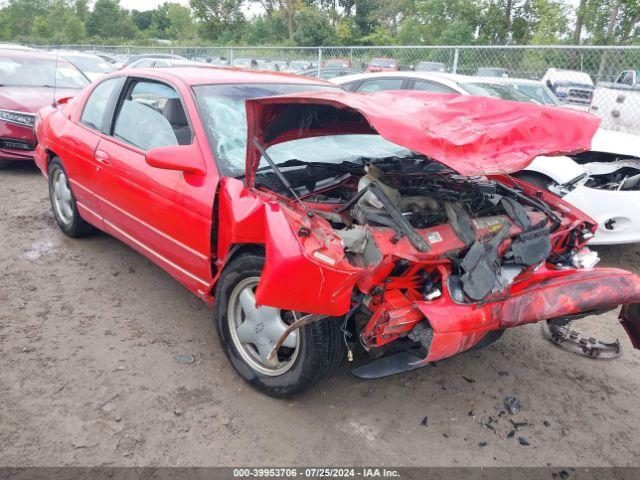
(471, 135)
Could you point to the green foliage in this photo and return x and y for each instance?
(324, 22)
(313, 28)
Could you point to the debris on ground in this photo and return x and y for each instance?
(512, 404)
(178, 412)
(579, 343)
(483, 444)
(184, 358)
(425, 422)
(517, 425)
(511, 434)
(469, 380)
(523, 441)
(546, 423)
(503, 373)
(490, 423)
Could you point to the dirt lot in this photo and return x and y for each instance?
(90, 330)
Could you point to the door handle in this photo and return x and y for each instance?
(103, 157)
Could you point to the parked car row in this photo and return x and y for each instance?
(323, 223)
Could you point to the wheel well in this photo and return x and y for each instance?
(50, 155)
(242, 248)
(236, 250)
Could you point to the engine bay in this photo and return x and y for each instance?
(486, 231)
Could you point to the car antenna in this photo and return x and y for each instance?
(280, 175)
(55, 75)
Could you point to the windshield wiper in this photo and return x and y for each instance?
(280, 175)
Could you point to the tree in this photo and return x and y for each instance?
(313, 28)
(82, 10)
(142, 20)
(181, 25)
(109, 21)
(439, 22)
(219, 20)
(580, 11)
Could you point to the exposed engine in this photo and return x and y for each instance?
(418, 230)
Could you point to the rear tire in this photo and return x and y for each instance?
(63, 202)
(316, 351)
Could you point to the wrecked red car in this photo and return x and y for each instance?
(323, 224)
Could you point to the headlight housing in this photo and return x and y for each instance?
(18, 118)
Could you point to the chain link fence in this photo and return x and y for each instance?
(604, 80)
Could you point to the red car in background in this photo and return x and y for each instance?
(320, 223)
(29, 81)
(382, 64)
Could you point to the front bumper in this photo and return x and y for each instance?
(16, 155)
(547, 294)
(616, 213)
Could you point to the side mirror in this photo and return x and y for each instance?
(62, 101)
(182, 158)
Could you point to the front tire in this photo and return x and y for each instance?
(248, 333)
(63, 203)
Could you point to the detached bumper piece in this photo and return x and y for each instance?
(579, 343)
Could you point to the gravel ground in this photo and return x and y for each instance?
(90, 331)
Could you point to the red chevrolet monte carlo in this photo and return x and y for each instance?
(29, 81)
(321, 223)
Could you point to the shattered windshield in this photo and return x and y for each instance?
(335, 149)
(223, 112)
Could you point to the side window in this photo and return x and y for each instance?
(377, 84)
(151, 115)
(350, 86)
(627, 78)
(96, 106)
(145, 64)
(431, 87)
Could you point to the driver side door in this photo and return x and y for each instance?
(165, 214)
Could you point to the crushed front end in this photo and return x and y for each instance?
(422, 259)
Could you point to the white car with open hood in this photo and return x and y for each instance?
(604, 182)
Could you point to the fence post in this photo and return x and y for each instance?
(454, 68)
(319, 60)
(230, 55)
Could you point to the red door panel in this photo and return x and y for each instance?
(165, 214)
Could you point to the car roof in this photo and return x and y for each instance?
(504, 80)
(208, 74)
(450, 79)
(8, 52)
(72, 53)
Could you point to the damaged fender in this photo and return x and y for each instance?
(304, 270)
